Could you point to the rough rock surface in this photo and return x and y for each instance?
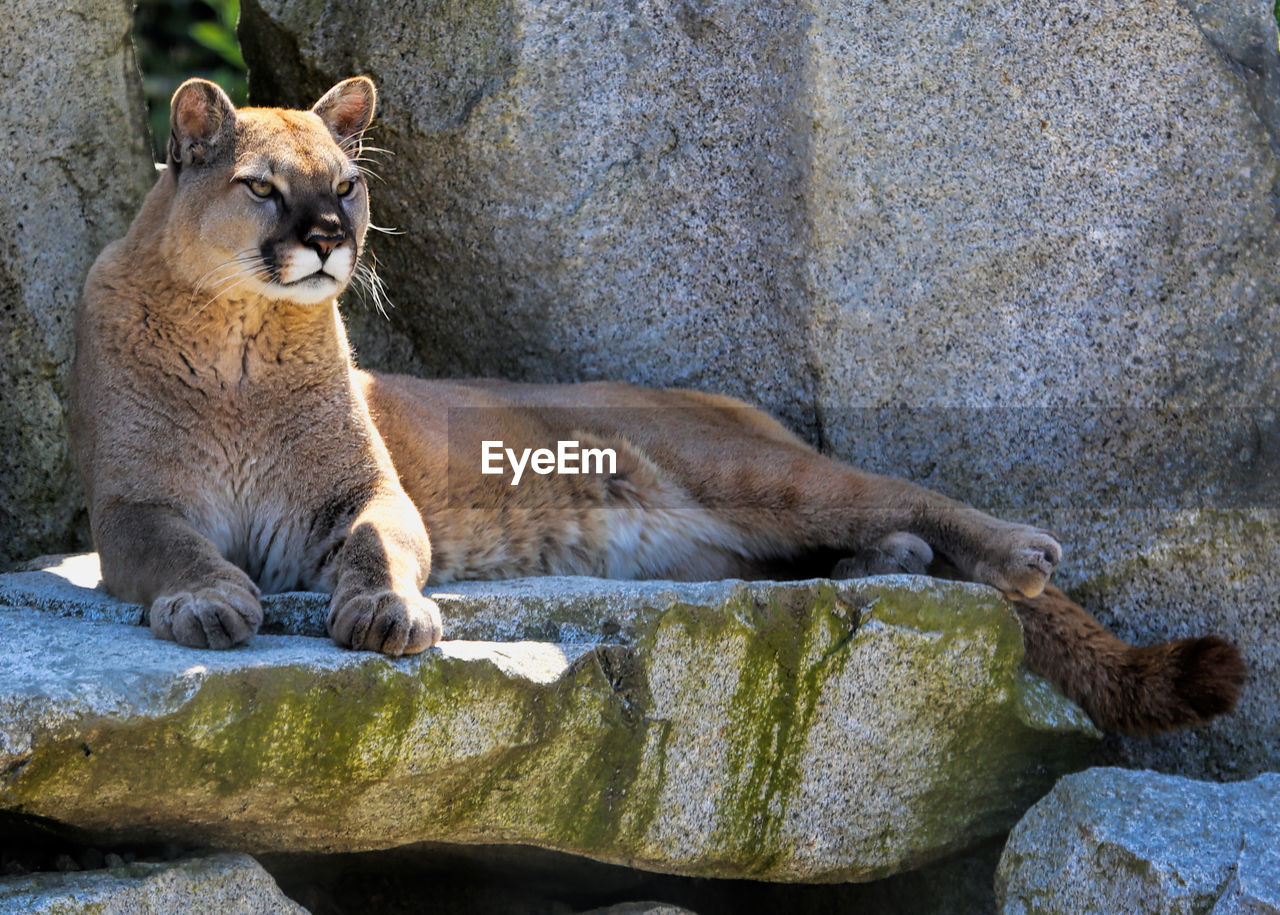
(212, 885)
(809, 731)
(1023, 254)
(1121, 841)
(76, 164)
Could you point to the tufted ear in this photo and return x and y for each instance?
(347, 108)
(200, 115)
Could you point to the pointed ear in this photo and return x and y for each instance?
(347, 108)
(199, 117)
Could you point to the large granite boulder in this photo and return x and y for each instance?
(212, 885)
(1125, 842)
(1022, 254)
(809, 731)
(76, 163)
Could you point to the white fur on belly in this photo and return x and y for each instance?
(667, 543)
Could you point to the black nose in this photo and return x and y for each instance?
(323, 241)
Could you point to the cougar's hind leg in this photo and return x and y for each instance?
(865, 511)
(1133, 690)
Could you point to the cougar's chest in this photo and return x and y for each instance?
(245, 498)
(244, 409)
(247, 456)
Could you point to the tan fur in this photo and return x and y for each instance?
(722, 486)
(222, 443)
(228, 443)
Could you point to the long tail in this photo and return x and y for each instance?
(1140, 691)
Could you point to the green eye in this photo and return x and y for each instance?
(345, 187)
(261, 188)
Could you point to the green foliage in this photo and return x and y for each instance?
(177, 39)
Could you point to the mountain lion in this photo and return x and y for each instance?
(229, 446)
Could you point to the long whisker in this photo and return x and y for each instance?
(240, 279)
(217, 288)
(247, 265)
(372, 291)
(243, 259)
(364, 154)
(361, 148)
(228, 282)
(371, 288)
(221, 288)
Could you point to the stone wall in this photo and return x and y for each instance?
(1022, 254)
(75, 167)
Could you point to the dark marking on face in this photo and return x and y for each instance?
(319, 222)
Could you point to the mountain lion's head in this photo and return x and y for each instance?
(268, 201)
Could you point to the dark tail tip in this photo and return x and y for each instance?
(1182, 684)
(1211, 674)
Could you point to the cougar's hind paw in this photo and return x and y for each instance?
(894, 554)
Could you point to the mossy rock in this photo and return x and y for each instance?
(811, 731)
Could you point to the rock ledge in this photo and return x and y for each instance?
(807, 731)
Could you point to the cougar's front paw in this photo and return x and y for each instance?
(1020, 560)
(386, 621)
(220, 615)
